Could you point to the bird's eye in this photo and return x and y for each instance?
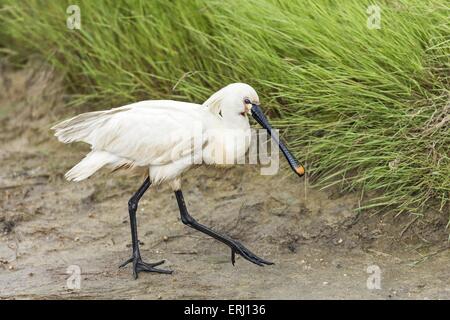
(247, 101)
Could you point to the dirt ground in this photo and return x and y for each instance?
(321, 246)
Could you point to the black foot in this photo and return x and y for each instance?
(139, 265)
(238, 248)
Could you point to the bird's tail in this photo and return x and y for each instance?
(78, 128)
(93, 161)
(81, 127)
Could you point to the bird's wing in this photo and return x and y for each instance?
(151, 132)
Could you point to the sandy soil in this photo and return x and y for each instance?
(320, 245)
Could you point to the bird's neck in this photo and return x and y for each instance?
(235, 121)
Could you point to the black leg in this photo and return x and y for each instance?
(236, 246)
(138, 264)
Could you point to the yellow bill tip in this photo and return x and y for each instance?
(300, 170)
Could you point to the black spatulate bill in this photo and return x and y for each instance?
(262, 120)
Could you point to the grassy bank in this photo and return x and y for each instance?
(366, 108)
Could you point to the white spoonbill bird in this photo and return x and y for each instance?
(165, 138)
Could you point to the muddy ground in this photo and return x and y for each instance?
(320, 245)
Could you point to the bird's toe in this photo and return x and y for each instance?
(150, 267)
(248, 255)
(126, 262)
(141, 266)
(153, 264)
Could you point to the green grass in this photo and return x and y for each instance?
(367, 109)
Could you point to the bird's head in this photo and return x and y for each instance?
(240, 99)
(236, 99)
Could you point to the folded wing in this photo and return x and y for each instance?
(141, 134)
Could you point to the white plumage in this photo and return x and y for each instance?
(164, 137)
